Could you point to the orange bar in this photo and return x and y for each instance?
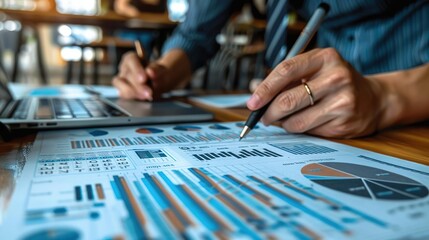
(305, 192)
(100, 192)
(272, 187)
(309, 232)
(172, 201)
(174, 220)
(227, 199)
(88, 143)
(133, 202)
(203, 206)
(258, 195)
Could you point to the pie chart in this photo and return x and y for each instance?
(149, 130)
(97, 132)
(364, 181)
(187, 128)
(218, 127)
(242, 124)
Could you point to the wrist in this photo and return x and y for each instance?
(177, 66)
(391, 105)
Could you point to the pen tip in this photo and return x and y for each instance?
(244, 132)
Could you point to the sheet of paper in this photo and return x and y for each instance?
(223, 101)
(198, 181)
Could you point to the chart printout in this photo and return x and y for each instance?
(197, 181)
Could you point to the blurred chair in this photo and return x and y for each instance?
(111, 46)
(239, 50)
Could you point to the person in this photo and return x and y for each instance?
(369, 73)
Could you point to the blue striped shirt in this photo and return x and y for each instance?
(375, 36)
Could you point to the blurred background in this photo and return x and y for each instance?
(81, 41)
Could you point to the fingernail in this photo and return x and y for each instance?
(253, 101)
(148, 96)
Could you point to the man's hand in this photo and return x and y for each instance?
(171, 71)
(136, 82)
(346, 103)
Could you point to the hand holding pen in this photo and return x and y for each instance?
(299, 46)
(136, 78)
(320, 93)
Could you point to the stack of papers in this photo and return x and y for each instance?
(197, 181)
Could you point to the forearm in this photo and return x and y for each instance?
(404, 96)
(178, 67)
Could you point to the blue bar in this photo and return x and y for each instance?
(115, 190)
(363, 215)
(159, 199)
(302, 192)
(89, 192)
(78, 193)
(222, 209)
(156, 217)
(135, 223)
(303, 208)
(193, 206)
(163, 201)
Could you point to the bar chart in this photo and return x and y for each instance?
(180, 134)
(304, 148)
(237, 155)
(200, 202)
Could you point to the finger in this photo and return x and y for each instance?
(288, 71)
(286, 103)
(309, 118)
(131, 65)
(324, 84)
(135, 75)
(125, 90)
(143, 91)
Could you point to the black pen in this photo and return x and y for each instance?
(299, 46)
(140, 53)
(144, 63)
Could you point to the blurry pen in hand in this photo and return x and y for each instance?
(140, 53)
(299, 46)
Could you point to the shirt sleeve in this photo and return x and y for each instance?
(197, 34)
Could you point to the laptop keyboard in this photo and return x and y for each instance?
(21, 111)
(59, 108)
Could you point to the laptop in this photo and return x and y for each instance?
(51, 112)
